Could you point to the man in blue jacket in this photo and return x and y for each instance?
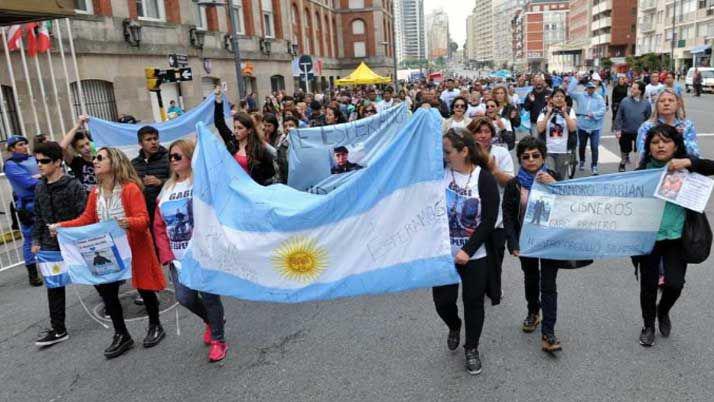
(590, 112)
(23, 174)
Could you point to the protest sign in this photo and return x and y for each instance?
(688, 190)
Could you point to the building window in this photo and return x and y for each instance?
(98, 98)
(358, 27)
(238, 7)
(8, 108)
(83, 6)
(199, 17)
(268, 20)
(360, 49)
(277, 83)
(150, 9)
(356, 4)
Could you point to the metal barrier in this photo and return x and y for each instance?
(10, 239)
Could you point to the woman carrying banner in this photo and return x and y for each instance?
(458, 117)
(505, 108)
(472, 207)
(244, 143)
(665, 145)
(539, 273)
(172, 238)
(119, 196)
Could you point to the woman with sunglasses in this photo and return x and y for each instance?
(458, 117)
(172, 238)
(504, 131)
(118, 196)
(539, 273)
(472, 208)
(245, 143)
(367, 110)
(505, 108)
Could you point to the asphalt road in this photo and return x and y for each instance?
(379, 348)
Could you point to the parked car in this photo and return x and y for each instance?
(707, 79)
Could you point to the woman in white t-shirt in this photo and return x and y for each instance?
(472, 209)
(458, 117)
(173, 228)
(501, 166)
(557, 126)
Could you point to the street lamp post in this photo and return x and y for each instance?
(394, 44)
(674, 35)
(234, 39)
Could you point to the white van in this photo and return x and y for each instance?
(707, 79)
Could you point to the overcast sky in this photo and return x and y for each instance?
(457, 11)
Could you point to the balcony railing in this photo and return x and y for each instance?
(648, 5)
(602, 6)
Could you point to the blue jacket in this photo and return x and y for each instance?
(20, 169)
(594, 104)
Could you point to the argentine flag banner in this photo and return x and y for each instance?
(321, 159)
(598, 217)
(96, 254)
(123, 136)
(53, 269)
(385, 230)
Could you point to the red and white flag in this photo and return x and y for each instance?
(14, 36)
(31, 39)
(43, 36)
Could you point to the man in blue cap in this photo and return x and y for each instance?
(590, 112)
(23, 174)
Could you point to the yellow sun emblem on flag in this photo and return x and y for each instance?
(56, 269)
(300, 259)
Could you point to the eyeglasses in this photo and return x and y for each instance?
(44, 161)
(490, 106)
(527, 157)
(100, 158)
(459, 106)
(370, 111)
(175, 157)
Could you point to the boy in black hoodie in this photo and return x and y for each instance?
(58, 197)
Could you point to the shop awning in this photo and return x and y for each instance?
(700, 49)
(20, 11)
(363, 75)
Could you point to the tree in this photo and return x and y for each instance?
(606, 63)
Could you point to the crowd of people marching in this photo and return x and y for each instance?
(70, 183)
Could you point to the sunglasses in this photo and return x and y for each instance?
(100, 157)
(459, 106)
(44, 161)
(527, 157)
(490, 106)
(370, 111)
(175, 157)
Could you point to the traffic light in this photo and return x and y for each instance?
(153, 79)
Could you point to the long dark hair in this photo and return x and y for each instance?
(339, 118)
(254, 148)
(271, 119)
(666, 131)
(462, 138)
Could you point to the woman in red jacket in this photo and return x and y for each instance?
(173, 227)
(118, 195)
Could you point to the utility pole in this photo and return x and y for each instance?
(674, 35)
(234, 39)
(394, 44)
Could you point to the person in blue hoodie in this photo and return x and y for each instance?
(23, 174)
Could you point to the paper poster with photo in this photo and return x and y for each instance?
(686, 189)
(557, 134)
(96, 254)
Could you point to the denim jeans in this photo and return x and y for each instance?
(594, 144)
(541, 292)
(206, 306)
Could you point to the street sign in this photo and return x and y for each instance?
(185, 74)
(305, 64)
(178, 60)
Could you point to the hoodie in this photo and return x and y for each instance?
(155, 165)
(56, 202)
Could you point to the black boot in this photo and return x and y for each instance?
(120, 344)
(33, 276)
(154, 335)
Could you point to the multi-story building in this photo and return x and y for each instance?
(484, 27)
(472, 38)
(613, 29)
(692, 22)
(543, 23)
(517, 29)
(116, 39)
(503, 10)
(437, 31)
(409, 20)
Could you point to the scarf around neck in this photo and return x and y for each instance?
(525, 178)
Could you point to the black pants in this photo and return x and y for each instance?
(541, 292)
(474, 277)
(669, 252)
(56, 301)
(628, 142)
(110, 294)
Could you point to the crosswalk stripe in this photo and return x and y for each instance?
(698, 135)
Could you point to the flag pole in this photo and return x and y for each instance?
(15, 94)
(29, 86)
(82, 106)
(54, 90)
(58, 32)
(44, 96)
(5, 120)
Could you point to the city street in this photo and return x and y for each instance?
(378, 348)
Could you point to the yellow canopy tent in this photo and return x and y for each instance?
(363, 75)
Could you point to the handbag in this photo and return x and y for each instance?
(508, 138)
(696, 237)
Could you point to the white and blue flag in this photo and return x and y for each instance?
(123, 136)
(385, 230)
(598, 217)
(313, 164)
(53, 269)
(96, 254)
